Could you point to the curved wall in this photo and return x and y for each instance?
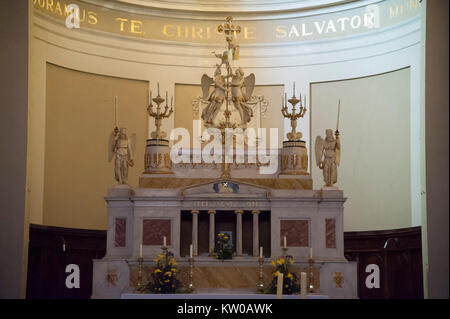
(323, 57)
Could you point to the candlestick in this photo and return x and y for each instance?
(164, 241)
(115, 112)
(191, 273)
(280, 285)
(339, 111)
(311, 287)
(303, 289)
(140, 286)
(261, 273)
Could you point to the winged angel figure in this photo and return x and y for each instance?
(241, 92)
(328, 154)
(121, 148)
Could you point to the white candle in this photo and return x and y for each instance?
(115, 111)
(190, 251)
(171, 101)
(285, 99)
(284, 242)
(310, 253)
(164, 241)
(150, 102)
(140, 251)
(167, 99)
(158, 88)
(294, 89)
(261, 252)
(303, 285)
(280, 285)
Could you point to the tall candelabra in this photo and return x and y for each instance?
(159, 114)
(293, 116)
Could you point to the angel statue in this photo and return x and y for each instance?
(217, 96)
(122, 148)
(328, 154)
(240, 98)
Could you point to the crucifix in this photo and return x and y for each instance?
(229, 29)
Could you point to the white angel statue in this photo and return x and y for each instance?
(240, 97)
(328, 154)
(122, 149)
(217, 96)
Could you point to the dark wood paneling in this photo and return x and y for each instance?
(400, 262)
(47, 260)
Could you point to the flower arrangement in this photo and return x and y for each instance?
(164, 275)
(290, 279)
(224, 247)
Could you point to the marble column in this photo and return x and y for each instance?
(255, 233)
(239, 232)
(212, 230)
(195, 231)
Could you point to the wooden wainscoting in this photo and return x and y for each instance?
(47, 260)
(400, 263)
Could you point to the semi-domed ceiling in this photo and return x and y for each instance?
(238, 6)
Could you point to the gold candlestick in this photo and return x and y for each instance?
(159, 115)
(140, 286)
(284, 249)
(261, 274)
(311, 287)
(191, 273)
(294, 116)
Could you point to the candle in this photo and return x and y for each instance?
(115, 111)
(167, 100)
(261, 252)
(303, 285)
(150, 102)
(140, 251)
(285, 99)
(280, 285)
(282, 101)
(284, 242)
(305, 100)
(158, 88)
(164, 241)
(310, 253)
(190, 251)
(171, 101)
(294, 90)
